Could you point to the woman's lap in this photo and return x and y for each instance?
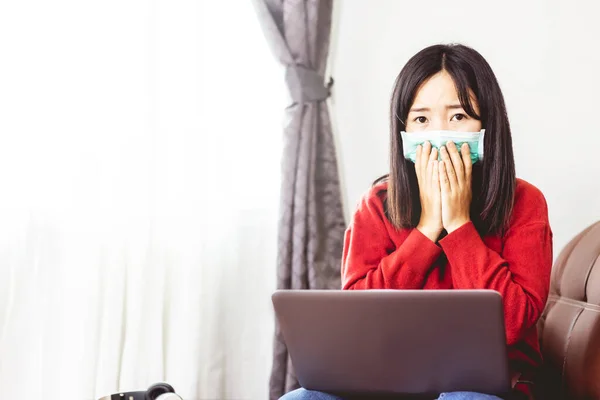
(303, 394)
(467, 396)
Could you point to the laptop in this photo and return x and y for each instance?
(395, 342)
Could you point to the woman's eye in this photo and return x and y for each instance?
(459, 117)
(421, 120)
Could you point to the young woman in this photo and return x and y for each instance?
(454, 217)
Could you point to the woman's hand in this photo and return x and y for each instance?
(426, 167)
(455, 181)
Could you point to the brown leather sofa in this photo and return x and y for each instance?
(570, 325)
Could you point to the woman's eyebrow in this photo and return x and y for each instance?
(448, 107)
(419, 109)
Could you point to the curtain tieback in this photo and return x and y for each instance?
(306, 85)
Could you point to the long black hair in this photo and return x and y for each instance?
(494, 179)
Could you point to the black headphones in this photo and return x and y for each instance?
(158, 391)
(162, 391)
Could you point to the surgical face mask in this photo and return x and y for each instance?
(410, 141)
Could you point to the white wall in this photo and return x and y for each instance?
(544, 54)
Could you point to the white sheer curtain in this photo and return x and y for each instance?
(139, 179)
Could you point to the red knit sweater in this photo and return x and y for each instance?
(378, 256)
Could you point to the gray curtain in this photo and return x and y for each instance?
(311, 225)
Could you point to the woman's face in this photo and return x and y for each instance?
(436, 107)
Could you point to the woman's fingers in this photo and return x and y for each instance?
(444, 182)
(466, 157)
(449, 168)
(425, 156)
(435, 177)
(457, 169)
(457, 161)
(433, 156)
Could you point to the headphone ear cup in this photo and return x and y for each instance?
(157, 389)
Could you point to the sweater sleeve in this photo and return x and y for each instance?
(371, 260)
(521, 274)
